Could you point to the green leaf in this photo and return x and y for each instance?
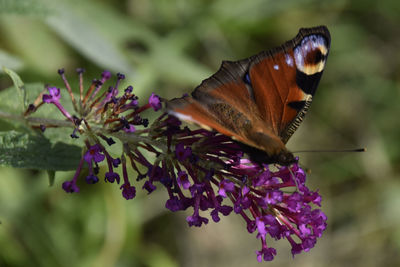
(10, 61)
(19, 85)
(38, 46)
(23, 7)
(22, 150)
(9, 98)
(87, 39)
(52, 177)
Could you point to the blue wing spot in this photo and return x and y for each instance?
(246, 79)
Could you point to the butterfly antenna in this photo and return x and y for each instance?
(333, 150)
(308, 171)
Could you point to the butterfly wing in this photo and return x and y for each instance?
(261, 100)
(285, 79)
(224, 103)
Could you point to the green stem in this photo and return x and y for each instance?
(35, 120)
(124, 137)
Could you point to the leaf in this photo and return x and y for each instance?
(47, 111)
(22, 150)
(52, 177)
(87, 39)
(36, 44)
(10, 61)
(23, 7)
(19, 85)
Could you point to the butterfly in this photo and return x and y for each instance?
(260, 101)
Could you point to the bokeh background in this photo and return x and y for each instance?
(168, 47)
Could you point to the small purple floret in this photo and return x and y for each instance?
(120, 76)
(116, 162)
(112, 177)
(80, 70)
(155, 102)
(130, 128)
(128, 191)
(94, 153)
(149, 186)
(174, 204)
(106, 75)
(224, 210)
(182, 153)
(183, 180)
(196, 220)
(129, 90)
(70, 187)
(266, 253)
(92, 179)
(226, 186)
(53, 96)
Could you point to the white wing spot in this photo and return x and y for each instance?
(289, 60)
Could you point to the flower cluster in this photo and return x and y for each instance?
(201, 170)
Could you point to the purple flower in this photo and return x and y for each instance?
(294, 202)
(155, 173)
(129, 90)
(226, 186)
(196, 220)
(128, 191)
(70, 187)
(266, 253)
(242, 201)
(105, 76)
(261, 227)
(155, 102)
(150, 187)
(94, 153)
(116, 162)
(92, 179)
(112, 177)
(183, 180)
(130, 128)
(224, 210)
(174, 204)
(273, 197)
(182, 153)
(120, 76)
(53, 96)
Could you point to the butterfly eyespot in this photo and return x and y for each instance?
(310, 54)
(316, 57)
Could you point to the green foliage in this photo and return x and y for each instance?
(23, 7)
(22, 150)
(19, 85)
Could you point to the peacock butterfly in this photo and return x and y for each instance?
(260, 101)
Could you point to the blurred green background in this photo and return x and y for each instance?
(168, 47)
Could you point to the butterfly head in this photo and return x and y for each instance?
(286, 158)
(261, 156)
